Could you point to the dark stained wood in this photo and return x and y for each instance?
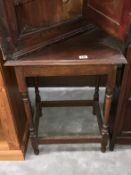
(72, 81)
(123, 119)
(35, 41)
(41, 16)
(36, 115)
(39, 43)
(99, 115)
(113, 16)
(7, 44)
(22, 73)
(65, 71)
(96, 94)
(38, 106)
(126, 125)
(25, 30)
(92, 44)
(70, 139)
(40, 68)
(65, 103)
(60, 11)
(123, 140)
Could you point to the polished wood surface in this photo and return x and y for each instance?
(60, 11)
(113, 16)
(5, 110)
(13, 123)
(121, 133)
(93, 44)
(26, 30)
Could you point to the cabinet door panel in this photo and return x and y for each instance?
(28, 25)
(37, 13)
(111, 15)
(32, 14)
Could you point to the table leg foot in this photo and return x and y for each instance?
(36, 151)
(34, 141)
(103, 149)
(104, 138)
(111, 146)
(34, 144)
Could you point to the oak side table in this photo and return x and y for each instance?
(90, 53)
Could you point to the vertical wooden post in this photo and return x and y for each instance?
(96, 94)
(108, 99)
(24, 93)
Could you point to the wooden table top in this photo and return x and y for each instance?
(90, 48)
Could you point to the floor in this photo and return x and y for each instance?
(77, 159)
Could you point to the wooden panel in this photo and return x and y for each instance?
(28, 18)
(67, 81)
(127, 121)
(111, 15)
(24, 30)
(28, 25)
(122, 126)
(108, 7)
(6, 31)
(3, 143)
(46, 12)
(92, 44)
(13, 119)
(124, 95)
(6, 117)
(18, 113)
(71, 8)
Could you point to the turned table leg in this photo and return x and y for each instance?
(107, 107)
(23, 90)
(37, 95)
(105, 121)
(96, 94)
(29, 114)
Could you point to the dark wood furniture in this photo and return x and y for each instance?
(121, 133)
(24, 30)
(55, 60)
(64, 43)
(13, 122)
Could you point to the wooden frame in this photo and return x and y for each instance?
(22, 72)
